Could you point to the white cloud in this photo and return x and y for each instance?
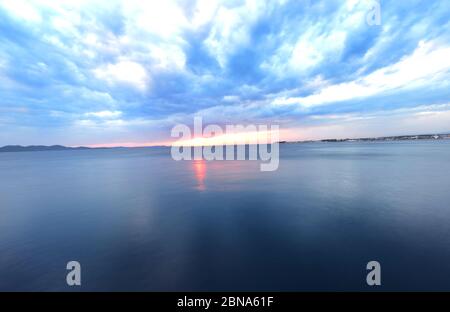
(104, 114)
(231, 98)
(421, 110)
(318, 40)
(230, 28)
(167, 56)
(312, 49)
(424, 119)
(124, 71)
(161, 18)
(427, 64)
(111, 120)
(94, 96)
(204, 12)
(85, 123)
(108, 123)
(22, 9)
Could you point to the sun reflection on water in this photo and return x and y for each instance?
(200, 173)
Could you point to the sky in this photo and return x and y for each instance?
(106, 73)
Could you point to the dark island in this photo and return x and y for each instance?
(38, 148)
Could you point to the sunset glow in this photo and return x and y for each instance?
(199, 167)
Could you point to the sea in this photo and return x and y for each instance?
(137, 220)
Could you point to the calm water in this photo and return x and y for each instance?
(137, 220)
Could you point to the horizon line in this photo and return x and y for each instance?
(137, 145)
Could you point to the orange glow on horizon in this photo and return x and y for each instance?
(255, 137)
(224, 139)
(199, 167)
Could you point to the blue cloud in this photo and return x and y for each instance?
(149, 66)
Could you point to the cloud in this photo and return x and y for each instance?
(427, 65)
(399, 123)
(104, 114)
(22, 10)
(231, 29)
(124, 71)
(164, 19)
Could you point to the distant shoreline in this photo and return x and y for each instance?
(42, 148)
(38, 148)
(387, 138)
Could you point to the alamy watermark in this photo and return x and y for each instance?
(374, 276)
(373, 16)
(232, 142)
(73, 278)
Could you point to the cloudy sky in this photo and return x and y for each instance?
(106, 72)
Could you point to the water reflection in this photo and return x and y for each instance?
(200, 173)
(155, 228)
